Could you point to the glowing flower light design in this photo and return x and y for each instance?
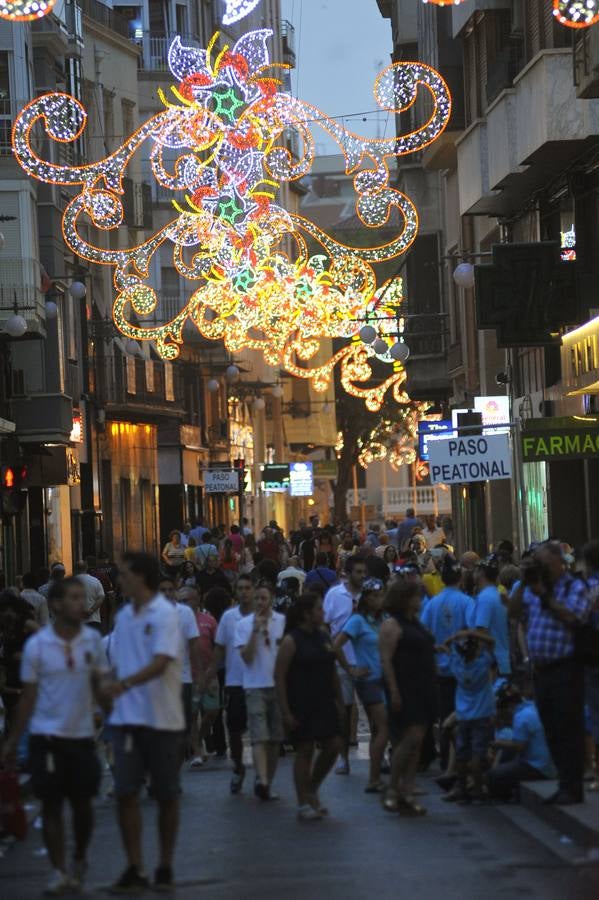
(259, 286)
(238, 9)
(576, 13)
(25, 10)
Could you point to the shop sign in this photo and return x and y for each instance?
(431, 431)
(325, 468)
(221, 481)
(301, 479)
(460, 460)
(560, 438)
(275, 477)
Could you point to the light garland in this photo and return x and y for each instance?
(25, 10)
(227, 118)
(576, 13)
(238, 9)
(444, 2)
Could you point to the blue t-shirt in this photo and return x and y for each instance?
(528, 730)
(487, 611)
(322, 575)
(474, 697)
(364, 636)
(444, 615)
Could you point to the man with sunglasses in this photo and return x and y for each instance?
(60, 669)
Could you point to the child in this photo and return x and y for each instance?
(471, 663)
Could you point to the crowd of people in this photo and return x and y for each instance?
(488, 664)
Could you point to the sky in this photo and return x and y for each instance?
(340, 46)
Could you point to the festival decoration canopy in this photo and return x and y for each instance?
(264, 278)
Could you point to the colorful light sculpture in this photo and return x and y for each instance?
(235, 10)
(25, 10)
(258, 285)
(576, 13)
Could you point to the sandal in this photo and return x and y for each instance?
(376, 788)
(409, 807)
(391, 802)
(315, 803)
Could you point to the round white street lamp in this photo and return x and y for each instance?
(463, 275)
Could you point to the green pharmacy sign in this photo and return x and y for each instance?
(569, 437)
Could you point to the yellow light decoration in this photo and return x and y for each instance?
(227, 118)
(25, 10)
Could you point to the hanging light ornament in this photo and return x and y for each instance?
(444, 2)
(25, 10)
(226, 118)
(576, 13)
(238, 9)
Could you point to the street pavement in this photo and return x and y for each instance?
(237, 847)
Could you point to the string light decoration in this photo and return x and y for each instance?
(444, 2)
(576, 13)
(235, 10)
(25, 10)
(258, 287)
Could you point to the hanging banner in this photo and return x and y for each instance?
(460, 460)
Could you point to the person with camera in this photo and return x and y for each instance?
(553, 604)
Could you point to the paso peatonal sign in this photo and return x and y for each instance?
(560, 438)
(458, 460)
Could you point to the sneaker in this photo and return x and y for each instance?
(132, 881)
(78, 872)
(342, 767)
(307, 813)
(58, 884)
(196, 763)
(237, 780)
(261, 791)
(163, 879)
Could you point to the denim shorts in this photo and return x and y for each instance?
(346, 683)
(369, 692)
(473, 739)
(141, 751)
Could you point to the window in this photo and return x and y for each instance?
(108, 103)
(127, 113)
(130, 364)
(5, 110)
(169, 382)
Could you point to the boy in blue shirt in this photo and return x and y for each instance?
(472, 662)
(525, 755)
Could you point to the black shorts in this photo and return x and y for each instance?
(187, 697)
(140, 751)
(237, 717)
(63, 767)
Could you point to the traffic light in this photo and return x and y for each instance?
(245, 475)
(14, 488)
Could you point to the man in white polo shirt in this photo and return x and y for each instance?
(59, 670)
(226, 650)
(339, 604)
(258, 637)
(147, 720)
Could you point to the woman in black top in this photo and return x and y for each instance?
(409, 668)
(309, 696)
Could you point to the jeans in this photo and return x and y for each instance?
(559, 693)
(505, 778)
(447, 688)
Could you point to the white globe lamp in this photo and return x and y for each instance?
(212, 385)
(51, 309)
(77, 290)
(232, 373)
(400, 351)
(15, 326)
(367, 334)
(463, 275)
(380, 347)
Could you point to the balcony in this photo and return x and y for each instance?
(138, 389)
(288, 38)
(586, 63)
(105, 16)
(426, 500)
(154, 47)
(473, 166)
(6, 119)
(43, 418)
(20, 281)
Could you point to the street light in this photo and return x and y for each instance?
(15, 326)
(259, 403)
(51, 309)
(77, 290)
(400, 351)
(463, 275)
(212, 385)
(367, 334)
(232, 373)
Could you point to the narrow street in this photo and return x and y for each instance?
(233, 847)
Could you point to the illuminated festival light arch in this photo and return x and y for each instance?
(25, 10)
(576, 13)
(258, 284)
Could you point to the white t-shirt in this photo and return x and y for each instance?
(225, 637)
(139, 637)
(338, 607)
(189, 631)
(39, 603)
(94, 592)
(62, 671)
(260, 673)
